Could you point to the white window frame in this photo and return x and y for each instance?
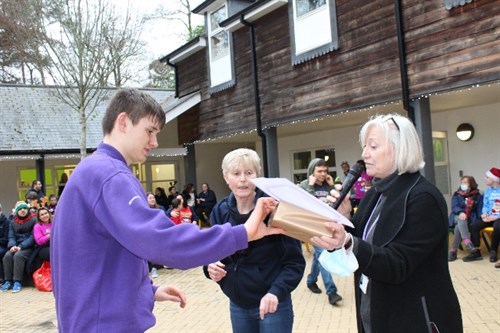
(313, 32)
(441, 165)
(221, 71)
(332, 170)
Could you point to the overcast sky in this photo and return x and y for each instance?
(161, 36)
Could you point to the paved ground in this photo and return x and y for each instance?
(477, 285)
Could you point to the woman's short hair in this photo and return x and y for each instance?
(402, 135)
(137, 104)
(241, 158)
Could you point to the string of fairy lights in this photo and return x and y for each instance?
(180, 152)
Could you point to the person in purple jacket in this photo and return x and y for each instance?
(104, 232)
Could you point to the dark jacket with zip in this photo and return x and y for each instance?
(409, 280)
(273, 264)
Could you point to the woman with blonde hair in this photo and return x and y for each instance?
(259, 280)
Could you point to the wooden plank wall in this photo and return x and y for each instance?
(446, 50)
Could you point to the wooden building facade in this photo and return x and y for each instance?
(444, 49)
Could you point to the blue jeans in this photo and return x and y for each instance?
(316, 268)
(248, 320)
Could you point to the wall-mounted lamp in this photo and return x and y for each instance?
(465, 132)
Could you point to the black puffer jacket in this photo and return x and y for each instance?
(273, 264)
(21, 232)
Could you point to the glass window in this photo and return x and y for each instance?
(301, 161)
(220, 45)
(441, 164)
(306, 6)
(313, 25)
(162, 175)
(52, 178)
(217, 17)
(219, 51)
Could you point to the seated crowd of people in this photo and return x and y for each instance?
(471, 212)
(25, 237)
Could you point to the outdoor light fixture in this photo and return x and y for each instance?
(465, 132)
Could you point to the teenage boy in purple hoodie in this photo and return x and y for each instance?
(104, 232)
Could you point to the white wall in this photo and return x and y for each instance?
(481, 153)
(344, 140)
(208, 165)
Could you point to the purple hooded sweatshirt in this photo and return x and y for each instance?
(102, 237)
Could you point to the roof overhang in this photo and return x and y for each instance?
(208, 6)
(162, 152)
(180, 105)
(66, 154)
(185, 51)
(252, 13)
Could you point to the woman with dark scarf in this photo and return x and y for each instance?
(400, 239)
(21, 243)
(466, 205)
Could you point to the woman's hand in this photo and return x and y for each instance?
(268, 304)
(462, 216)
(216, 271)
(170, 293)
(254, 226)
(345, 207)
(337, 239)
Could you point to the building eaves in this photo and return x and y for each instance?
(185, 50)
(251, 13)
(206, 6)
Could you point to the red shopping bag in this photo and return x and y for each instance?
(41, 277)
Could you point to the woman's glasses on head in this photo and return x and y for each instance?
(394, 121)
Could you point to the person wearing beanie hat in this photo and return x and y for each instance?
(20, 246)
(494, 174)
(490, 217)
(19, 206)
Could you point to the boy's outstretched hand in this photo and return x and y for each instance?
(255, 227)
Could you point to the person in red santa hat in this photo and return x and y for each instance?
(490, 217)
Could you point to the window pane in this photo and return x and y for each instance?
(48, 178)
(219, 45)
(442, 177)
(439, 149)
(298, 177)
(26, 176)
(301, 160)
(328, 155)
(306, 6)
(163, 172)
(217, 17)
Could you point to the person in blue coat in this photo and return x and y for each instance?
(258, 280)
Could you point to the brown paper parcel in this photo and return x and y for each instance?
(299, 223)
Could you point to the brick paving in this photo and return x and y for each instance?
(477, 284)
